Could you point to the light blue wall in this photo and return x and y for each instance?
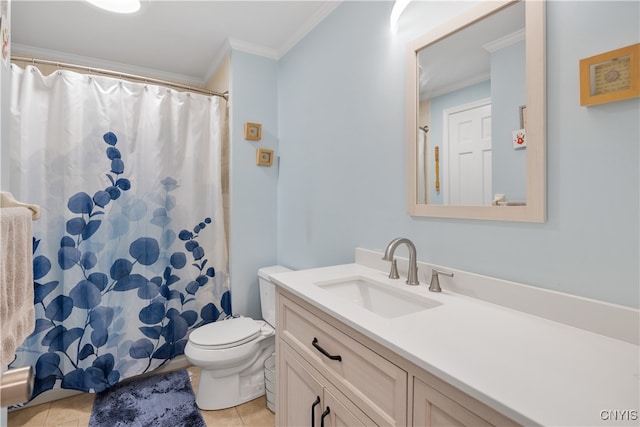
(341, 118)
(252, 240)
(508, 93)
(342, 141)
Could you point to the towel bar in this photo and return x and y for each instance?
(16, 386)
(7, 201)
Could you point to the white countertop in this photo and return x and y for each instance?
(533, 370)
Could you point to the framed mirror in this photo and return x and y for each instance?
(476, 130)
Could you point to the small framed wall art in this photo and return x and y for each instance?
(253, 131)
(264, 157)
(610, 76)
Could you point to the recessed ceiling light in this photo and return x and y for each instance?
(117, 6)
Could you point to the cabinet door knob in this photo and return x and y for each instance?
(324, 414)
(313, 411)
(323, 351)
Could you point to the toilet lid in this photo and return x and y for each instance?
(226, 333)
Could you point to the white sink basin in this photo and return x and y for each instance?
(376, 297)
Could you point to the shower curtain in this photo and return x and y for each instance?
(130, 252)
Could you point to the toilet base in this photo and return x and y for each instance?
(216, 392)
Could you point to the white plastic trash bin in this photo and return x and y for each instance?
(270, 381)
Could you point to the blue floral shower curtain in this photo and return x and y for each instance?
(129, 253)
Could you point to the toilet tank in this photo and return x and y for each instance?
(268, 292)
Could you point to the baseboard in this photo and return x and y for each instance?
(176, 363)
(615, 321)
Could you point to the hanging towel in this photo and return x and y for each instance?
(17, 311)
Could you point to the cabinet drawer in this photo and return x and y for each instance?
(373, 383)
(433, 409)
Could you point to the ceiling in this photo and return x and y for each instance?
(176, 40)
(464, 57)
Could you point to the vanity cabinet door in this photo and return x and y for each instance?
(304, 398)
(340, 415)
(299, 393)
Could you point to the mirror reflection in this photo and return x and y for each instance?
(471, 143)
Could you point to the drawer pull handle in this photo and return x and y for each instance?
(324, 414)
(323, 351)
(313, 411)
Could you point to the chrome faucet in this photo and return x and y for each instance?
(434, 286)
(412, 276)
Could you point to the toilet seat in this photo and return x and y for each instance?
(226, 333)
(231, 353)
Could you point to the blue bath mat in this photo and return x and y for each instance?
(159, 400)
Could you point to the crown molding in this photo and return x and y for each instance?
(239, 45)
(223, 53)
(230, 44)
(458, 85)
(255, 49)
(505, 41)
(308, 26)
(252, 48)
(54, 55)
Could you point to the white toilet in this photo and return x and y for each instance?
(231, 353)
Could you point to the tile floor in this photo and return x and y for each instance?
(76, 410)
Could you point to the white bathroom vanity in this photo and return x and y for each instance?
(357, 348)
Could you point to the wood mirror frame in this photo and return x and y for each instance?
(535, 208)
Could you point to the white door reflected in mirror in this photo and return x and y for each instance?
(467, 156)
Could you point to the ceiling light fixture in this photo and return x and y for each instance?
(398, 7)
(117, 6)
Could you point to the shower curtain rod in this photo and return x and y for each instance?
(143, 79)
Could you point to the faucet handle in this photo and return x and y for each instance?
(434, 286)
(393, 274)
